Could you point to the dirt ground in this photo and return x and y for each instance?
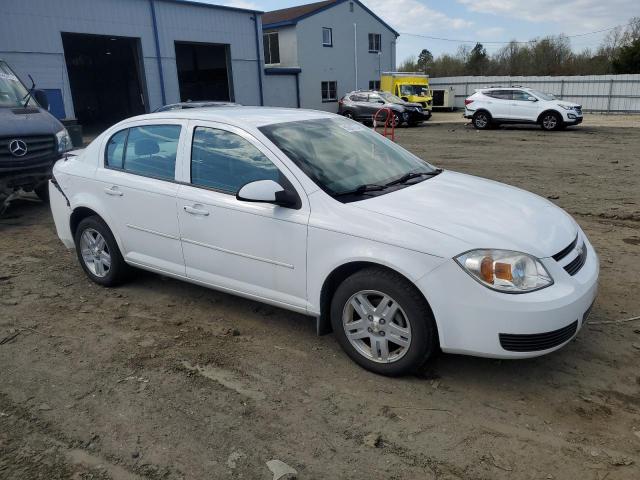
(159, 379)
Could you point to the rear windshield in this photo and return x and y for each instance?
(12, 92)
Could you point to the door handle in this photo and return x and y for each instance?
(113, 191)
(196, 211)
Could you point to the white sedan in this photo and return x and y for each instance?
(315, 213)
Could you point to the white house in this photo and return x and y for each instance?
(316, 53)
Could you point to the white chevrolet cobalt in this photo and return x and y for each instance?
(315, 213)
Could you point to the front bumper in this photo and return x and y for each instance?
(482, 322)
(416, 117)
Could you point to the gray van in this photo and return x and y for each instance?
(31, 139)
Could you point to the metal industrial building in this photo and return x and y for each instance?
(104, 60)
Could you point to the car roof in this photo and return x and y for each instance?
(504, 88)
(239, 116)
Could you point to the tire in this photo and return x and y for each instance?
(481, 120)
(42, 191)
(348, 114)
(550, 121)
(412, 324)
(94, 237)
(396, 121)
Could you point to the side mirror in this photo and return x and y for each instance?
(41, 98)
(532, 99)
(267, 191)
(381, 101)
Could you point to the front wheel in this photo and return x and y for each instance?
(98, 252)
(383, 323)
(481, 120)
(348, 115)
(551, 121)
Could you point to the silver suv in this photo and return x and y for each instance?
(362, 105)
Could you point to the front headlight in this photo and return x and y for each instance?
(64, 141)
(567, 107)
(505, 270)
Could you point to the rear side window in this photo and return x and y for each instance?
(500, 94)
(225, 161)
(148, 150)
(115, 149)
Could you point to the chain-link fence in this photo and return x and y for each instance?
(596, 93)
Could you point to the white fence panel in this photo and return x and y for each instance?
(596, 93)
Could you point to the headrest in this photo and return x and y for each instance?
(146, 146)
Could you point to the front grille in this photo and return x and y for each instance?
(566, 251)
(40, 148)
(577, 263)
(579, 110)
(537, 341)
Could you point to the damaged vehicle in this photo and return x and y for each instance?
(31, 139)
(316, 213)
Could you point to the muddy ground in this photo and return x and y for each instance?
(163, 380)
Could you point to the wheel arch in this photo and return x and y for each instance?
(341, 273)
(80, 212)
(483, 109)
(549, 110)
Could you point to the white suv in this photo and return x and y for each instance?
(492, 106)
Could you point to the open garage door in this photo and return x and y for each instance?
(105, 78)
(204, 72)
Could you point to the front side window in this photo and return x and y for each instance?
(148, 150)
(340, 156)
(329, 91)
(327, 37)
(271, 47)
(226, 162)
(375, 40)
(522, 96)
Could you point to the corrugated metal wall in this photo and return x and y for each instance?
(596, 93)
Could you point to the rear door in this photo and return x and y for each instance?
(360, 106)
(255, 249)
(137, 183)
(523, 108)
(499, 103)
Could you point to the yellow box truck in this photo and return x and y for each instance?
(411, 87)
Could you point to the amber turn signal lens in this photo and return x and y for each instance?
(486, 269)
(503, 271)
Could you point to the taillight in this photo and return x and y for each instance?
(467, 101)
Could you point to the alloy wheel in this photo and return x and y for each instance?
(549, 122)
(481, 120)
(95, 252)
(376, 326)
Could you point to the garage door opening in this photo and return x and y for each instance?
(105, 78)
(204, 72)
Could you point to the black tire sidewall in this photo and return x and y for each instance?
(424, 337)
(118, 269)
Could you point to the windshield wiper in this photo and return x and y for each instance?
(411, 175)
(362, 189)
(29, 94)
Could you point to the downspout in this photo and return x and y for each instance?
(255, 19)
(298, 88)
(355, 52)
(158, 58)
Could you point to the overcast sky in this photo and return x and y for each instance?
(485, 20)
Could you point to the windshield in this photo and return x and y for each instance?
(419, 90)
(392, 98)
(341, 155)
(543, 96)
(12, 92)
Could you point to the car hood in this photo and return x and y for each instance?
(566, 104)
(18, 122)
(482, 213)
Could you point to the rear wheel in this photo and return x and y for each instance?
(481, 120)
(550, 121)
(383, 323)
(98, 252)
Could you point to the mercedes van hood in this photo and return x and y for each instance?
(21, 122)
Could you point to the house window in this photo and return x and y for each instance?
(374, 84)
(271, 48)
(329, 91)
(375, 40)
(327, 37)
(351, 7)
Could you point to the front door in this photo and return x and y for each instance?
(255, 249)
(139, 188)
(523, 108)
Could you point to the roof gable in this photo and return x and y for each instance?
(292, 15)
